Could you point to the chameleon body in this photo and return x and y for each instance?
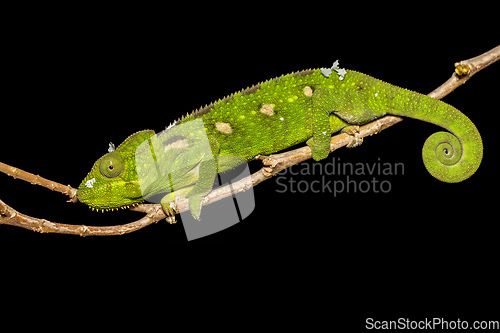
(306, 106)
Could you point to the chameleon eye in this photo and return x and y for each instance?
(111, 166)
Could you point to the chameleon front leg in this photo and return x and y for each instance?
(168, 202)
(208, 172)
(204, 173)
(194, 193)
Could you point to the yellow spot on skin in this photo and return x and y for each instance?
(224, 128)
(267, 109)
(308, 91)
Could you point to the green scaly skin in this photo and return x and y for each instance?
(306, 106)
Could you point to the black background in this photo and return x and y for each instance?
(77, 80)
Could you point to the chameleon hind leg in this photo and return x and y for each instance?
(321, 128)
(355, 110)
(326, 119)
(337, 124)
(353, 130)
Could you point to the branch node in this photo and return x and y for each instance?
(462, 70)
(270, 162)
(40, 227)
(83, 230)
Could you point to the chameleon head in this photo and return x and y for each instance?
(112, 183)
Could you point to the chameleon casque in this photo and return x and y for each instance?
(305, 106)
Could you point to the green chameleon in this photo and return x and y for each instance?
(306, 106)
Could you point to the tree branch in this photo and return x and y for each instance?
(273, 164)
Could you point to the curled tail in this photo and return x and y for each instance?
(448, 156)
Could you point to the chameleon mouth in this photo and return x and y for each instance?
(102, 210)
(97, 198)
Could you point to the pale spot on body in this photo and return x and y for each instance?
(224, 128)
(179, 144)
(308, 91)
(267, 109)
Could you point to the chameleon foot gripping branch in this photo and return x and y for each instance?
(306, 106)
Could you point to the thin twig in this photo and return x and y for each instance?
(465, 69)
(37, 180)
(272, 165)
(10, 216)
